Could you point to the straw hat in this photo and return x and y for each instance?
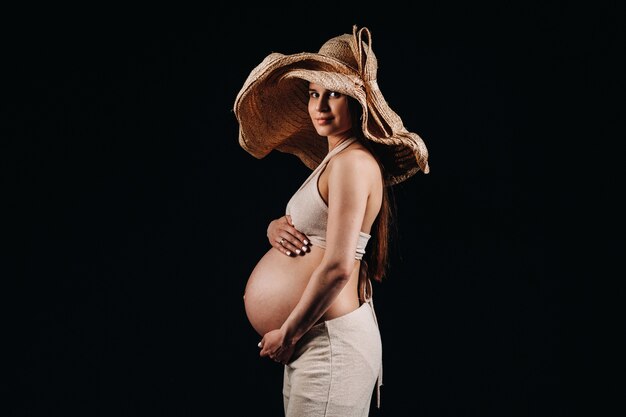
(272, 106)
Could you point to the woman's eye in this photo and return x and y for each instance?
(335, 94)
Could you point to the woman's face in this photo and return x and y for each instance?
(329, 111)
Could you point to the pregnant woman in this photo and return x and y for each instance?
(310, 295)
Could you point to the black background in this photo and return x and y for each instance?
(138, 216)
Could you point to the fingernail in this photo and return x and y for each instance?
(304, 248)
(298, 251)
(306, 242)
(259, 345)
(288, 253)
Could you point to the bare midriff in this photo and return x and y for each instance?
(277, 283)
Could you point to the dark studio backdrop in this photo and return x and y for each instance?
(139, 217)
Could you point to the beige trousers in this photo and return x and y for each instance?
(335, 367)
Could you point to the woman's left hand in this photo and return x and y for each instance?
(284, 237)
(275, 346)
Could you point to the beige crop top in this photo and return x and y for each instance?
(309, 212)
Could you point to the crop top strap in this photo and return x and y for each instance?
(343, 145)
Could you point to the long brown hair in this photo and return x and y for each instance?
(375, 262)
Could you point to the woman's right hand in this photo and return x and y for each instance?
(284, 237)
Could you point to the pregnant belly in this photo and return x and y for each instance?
(275, 286)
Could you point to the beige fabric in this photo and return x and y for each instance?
(335, 368)
(309, 212)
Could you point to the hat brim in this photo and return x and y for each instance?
(272, 110)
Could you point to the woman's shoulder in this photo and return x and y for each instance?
(355, 155)
(355, 159)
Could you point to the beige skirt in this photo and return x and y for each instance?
(336, 367)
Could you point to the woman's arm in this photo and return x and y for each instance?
(348, 191)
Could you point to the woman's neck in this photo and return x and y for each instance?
(334, 141)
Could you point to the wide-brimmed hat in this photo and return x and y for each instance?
(272, 106)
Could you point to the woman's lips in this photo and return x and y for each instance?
(324, 121)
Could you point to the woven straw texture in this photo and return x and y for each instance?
(271, 107)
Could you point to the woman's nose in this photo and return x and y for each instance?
(322, 104)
